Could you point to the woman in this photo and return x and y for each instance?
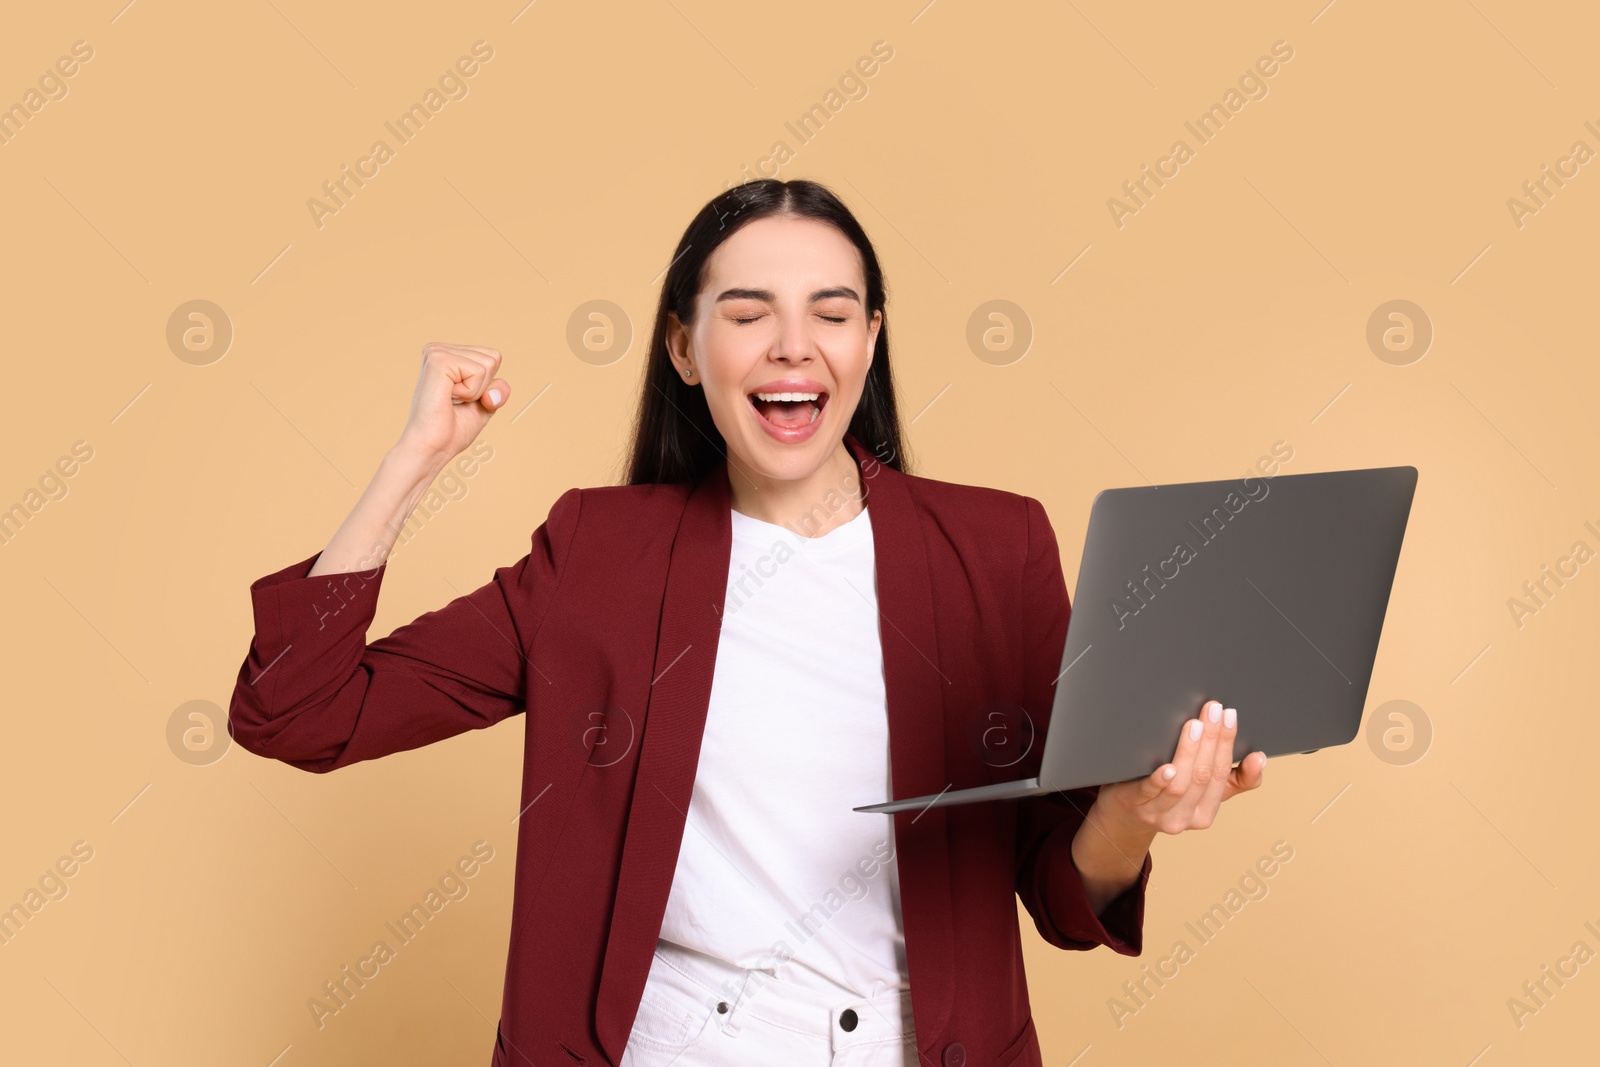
(771, 624)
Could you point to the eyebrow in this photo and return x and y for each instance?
(767, 294)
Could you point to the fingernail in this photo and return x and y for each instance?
(1194, 730)
(494, 397)
(1216, 712)
(1167, 774)
(1229, 717)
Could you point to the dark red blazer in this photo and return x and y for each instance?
(605, 633)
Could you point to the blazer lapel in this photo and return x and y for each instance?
(914, 687)
(675, 723)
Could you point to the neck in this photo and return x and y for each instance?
(827, 498)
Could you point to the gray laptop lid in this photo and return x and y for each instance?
(1267, 594)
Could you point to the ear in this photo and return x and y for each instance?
(677, 340)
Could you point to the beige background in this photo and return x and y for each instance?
(1230, 312)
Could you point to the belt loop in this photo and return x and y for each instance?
(736, 1010)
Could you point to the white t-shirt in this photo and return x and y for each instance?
(776, 872)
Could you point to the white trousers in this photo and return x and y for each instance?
(698, 1011)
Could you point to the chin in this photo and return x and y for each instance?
(791, 462)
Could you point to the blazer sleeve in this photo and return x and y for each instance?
(313, 693)
(1047, 880)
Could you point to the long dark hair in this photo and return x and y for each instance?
(674, 439)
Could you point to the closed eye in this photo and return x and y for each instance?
(829, 318)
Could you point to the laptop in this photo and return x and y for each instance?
(1267, 594)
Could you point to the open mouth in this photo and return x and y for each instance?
(789, 410)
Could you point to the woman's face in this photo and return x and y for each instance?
(780, 343)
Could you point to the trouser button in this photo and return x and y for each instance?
(848, 1020)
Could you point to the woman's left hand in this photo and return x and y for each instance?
(1186, 793)
(1110, 845)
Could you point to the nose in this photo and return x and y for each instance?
(795, 345)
